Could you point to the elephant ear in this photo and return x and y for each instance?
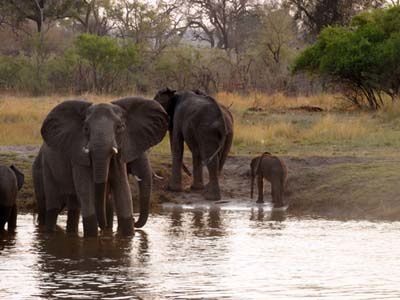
(62, 130)
(146, 126)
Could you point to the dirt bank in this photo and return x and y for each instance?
(336, 187)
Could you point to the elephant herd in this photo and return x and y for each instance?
(89, 150)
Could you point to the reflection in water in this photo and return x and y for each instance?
(259, 214)
(70, 265)
(207, 253)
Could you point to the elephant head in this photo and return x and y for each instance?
(19, 175)
(92, 134)
(167, 100)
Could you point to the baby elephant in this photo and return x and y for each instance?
(274, 170)
(11, 181)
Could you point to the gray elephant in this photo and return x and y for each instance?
(83, 159)
(207, 129)
(11, 181)
(273, 169)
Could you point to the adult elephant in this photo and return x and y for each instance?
(84, 155)
(207, 129)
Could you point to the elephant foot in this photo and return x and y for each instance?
(90, 226)
(41, 219)
(73, 221)
(212, 193)
(197, 187)
(260, 201)
(51, 219)
(126, 226)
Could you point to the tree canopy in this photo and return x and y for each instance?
(363, 57)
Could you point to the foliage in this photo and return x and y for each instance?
(315, 15)
(106, 58)
(364, 57)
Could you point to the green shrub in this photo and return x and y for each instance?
(363, 57)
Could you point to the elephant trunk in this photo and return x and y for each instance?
(100, 200)
(100, 175)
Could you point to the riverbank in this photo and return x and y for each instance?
(343, 163)
(338, 187)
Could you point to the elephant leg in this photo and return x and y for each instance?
(177, 157)
(12, 219)
(109, 211)
(121, 194)
(197, 171)
(5, 212)
(276, 192)
(73, 214)
(212, 189)
(54, 204)
(85, 193)
(37, 177)
(260, 186)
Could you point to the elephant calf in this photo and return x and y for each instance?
(272, 169)
(11, 181)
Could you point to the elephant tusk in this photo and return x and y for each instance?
(115, 150)
(158, 177)
(85, 150)
(137, 178)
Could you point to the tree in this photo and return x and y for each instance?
(363, 57)
(37, 11)
(314, 15)
(217, 21)
(106, 58)
(95, 17)
(152, 25)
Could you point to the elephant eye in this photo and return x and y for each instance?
(120, 127)
(86, 129)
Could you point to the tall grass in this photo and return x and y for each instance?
(260, 101)
(262, 122)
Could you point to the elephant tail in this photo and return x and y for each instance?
(208, 160)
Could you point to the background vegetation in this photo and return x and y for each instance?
(137, 46)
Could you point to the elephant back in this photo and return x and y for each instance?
(211, 105)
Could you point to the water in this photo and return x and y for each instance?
(207, 254)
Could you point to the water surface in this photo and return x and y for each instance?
(207, 254)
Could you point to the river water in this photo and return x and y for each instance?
(207, 253)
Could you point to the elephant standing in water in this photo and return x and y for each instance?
(84, 155)
(11, 181)
(207, 129)
(274, 170)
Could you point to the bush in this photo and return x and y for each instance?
(363, 57)
(107, 59)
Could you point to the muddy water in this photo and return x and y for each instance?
(203, 253)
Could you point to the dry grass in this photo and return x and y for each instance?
(273, 126)
(261, 101)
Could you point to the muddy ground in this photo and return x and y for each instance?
(342, 187)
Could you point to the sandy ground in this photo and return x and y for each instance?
(319, 186)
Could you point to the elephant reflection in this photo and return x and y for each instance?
(91, 267)
(259, 214)
(203, 221)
